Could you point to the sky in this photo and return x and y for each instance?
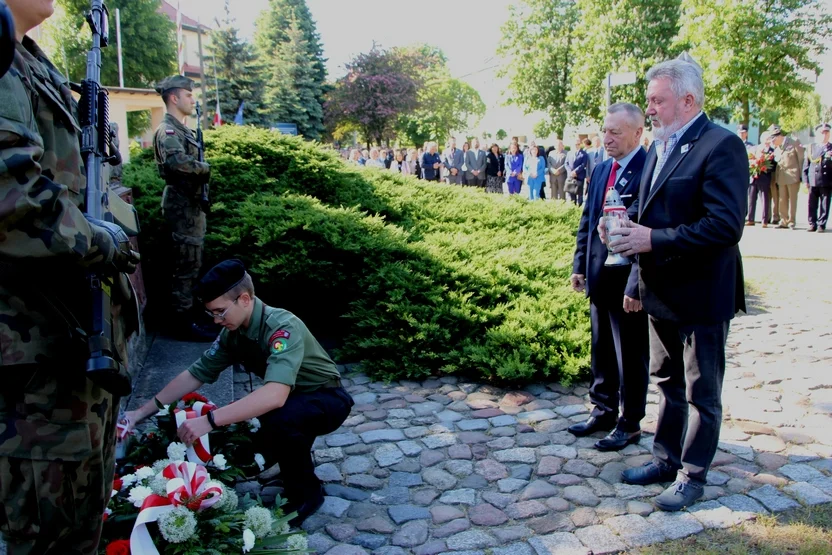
(468, 31)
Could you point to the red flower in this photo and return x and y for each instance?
(104, 517)
(117, 483)
(194, 397)
(118, 547)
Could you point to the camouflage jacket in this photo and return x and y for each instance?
(45, 242)
(177, 156)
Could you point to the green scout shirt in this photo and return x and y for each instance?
(277, 346)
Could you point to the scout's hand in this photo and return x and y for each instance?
(631, 239)
(193, 429)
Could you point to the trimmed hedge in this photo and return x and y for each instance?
(415, 278)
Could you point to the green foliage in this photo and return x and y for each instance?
(501, 134)
(138, 123)
(141, 25)
(417, 278)
(806, 113)
(239, 75)
(756, 55)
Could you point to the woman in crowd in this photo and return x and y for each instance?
(465, 148)
(514, 169)
(398, 164)
(409, 164)
(355, 157)
(494, 170)
(534, 168)
(374, 161)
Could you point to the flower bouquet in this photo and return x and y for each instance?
(760, 164)
(178, 509)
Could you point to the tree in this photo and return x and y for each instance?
(141, 25)
(239, 74)
(619, 36)
(373, 94)
(538, 44)
(756, 55)
(806, 113)
(283, 22)
(501, 134)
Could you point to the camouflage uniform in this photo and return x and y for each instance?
(177, 157)
(57, 428)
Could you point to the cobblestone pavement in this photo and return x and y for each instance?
(444, 465)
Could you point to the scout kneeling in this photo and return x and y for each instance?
(301, 399)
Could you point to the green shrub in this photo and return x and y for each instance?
(415, 278)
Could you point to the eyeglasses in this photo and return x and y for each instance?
(221, 315)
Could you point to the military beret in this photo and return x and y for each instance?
(174, 82)
(823, 127)
(774, 130)
(742, 127)
(219, 280)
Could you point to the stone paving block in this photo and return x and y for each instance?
(600, 540)
(409, 448)
(503, 420)
(451, 528)
(518, 548)
(807, 493)
(334, 506)
(411, 534)
(635, 530)
(713, 514)
(800, 472)
(675, 526)
(560, 451)
(472, 539)
(459, 497)
(472, 425)
(439, 478)
(377, 436)
(436, 441)
(532, 417)
(559, 543)
(772, 499)
(388, 454)
(526, 509)
(742, 503)
(519, 454)
(344, 549)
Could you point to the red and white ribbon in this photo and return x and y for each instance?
(200, 450)
(188, 485)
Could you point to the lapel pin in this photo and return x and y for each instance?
(685, 148)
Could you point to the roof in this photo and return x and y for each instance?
(170, 11)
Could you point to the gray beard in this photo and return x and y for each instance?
(664, 132)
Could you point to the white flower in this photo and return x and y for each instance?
(164, 411)
(144, 473)
(108, 511)
(178, 525)
(261, 462)
(297, 542)
(176, 451)
(259, 520)
(248, 540)
(220, 462)
(229, 501)
(160, 465)
(159, 485)
(255, 424)
(138, 494)
(128, 480)
(284, 529)
(115, 491)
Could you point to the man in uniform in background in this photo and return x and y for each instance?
(57, 427)
(301, 399)
(817, 174)
(177, 157)
(742, 131)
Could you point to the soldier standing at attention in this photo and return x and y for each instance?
(301, 399)
(57, 427)
(177, 157)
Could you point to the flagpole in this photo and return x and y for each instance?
(217, 87)
(179, 39)
(118, 41)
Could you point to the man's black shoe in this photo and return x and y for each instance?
(593, 424)
(678, 496)
(650, 473)
(811, 229)
(618, 440)
(305, 509)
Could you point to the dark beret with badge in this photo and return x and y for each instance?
(219, 280)
(174, 82)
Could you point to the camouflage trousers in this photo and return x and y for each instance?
(186, 223)
(57, 459)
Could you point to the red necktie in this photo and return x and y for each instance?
(611, 180)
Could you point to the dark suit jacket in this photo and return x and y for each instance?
(577, 161)
(590, 252)
(697, 211)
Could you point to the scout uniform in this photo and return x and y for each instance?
(177, 159)
(57, 428)
(278, 347)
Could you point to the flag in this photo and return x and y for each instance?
(179, 40)
(218, 115)
(238, 119)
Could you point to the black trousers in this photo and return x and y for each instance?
(760, 186)
(819, 198)
(291, 430)
(687, 362)
(620, 351)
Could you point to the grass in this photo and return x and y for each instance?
(806, 531)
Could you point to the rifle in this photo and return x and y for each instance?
(204, 200)
(102, 205)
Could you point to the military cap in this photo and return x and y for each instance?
(823, 127)
(174, 82)
(219, 280)
(774, 130)
(742, 127)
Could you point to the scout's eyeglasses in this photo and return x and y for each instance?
(221, 316)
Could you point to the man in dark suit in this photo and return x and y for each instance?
(691, 210)
(576, 161)
(817, 175)
(619, 326)
(453, 159)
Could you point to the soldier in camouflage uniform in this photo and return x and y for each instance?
(177, 157)
(57, 427)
